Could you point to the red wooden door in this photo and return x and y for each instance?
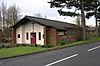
(33, 38)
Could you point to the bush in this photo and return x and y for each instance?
(6, 41)
(33, 45)
(1, 45)
(6, 45)
(64, 41)
(13, 45)
(48, 46)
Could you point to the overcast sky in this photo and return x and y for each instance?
(31, 7)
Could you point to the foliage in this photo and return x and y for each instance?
(8, 17)
(69, 4)
(63, 4)
(6, 45)
(48, 46)
(13, 14)
(89, 41)
(64, 41)
(91, 8)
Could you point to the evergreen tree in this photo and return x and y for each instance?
(93, 9)
(69, 4)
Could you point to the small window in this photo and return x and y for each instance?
(60, 33)
(18, 35)
(39, 35)
(27, 36)
(43, 36)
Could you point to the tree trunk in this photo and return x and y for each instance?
(97, 33)
(83, 19)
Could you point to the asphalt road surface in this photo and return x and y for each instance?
(82, 55)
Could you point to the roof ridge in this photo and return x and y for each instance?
(46, 22)
(49, 19)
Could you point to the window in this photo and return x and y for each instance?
(39, 35)
(60, 33)
(27, 35)
(43, 36)
(18, 35)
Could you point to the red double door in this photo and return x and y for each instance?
(33, 38)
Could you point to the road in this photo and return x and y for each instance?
(82, 55)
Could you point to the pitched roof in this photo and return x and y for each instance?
(47, 22)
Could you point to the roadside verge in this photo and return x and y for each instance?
(7, 53)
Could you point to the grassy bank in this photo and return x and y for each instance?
(91, 40)
(15, 51)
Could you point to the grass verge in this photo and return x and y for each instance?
(91, 40)
(15, 51)
(22, 50)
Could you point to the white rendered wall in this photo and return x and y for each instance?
(39, 28)
(19, 31)
(29, 27)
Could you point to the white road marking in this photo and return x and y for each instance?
(94, 48)
(61, 60)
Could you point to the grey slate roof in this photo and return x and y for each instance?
(49, 23)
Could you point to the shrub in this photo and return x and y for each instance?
(1, 45)
(48, 46)
(6, 45)
(33, 45)
(63, 41)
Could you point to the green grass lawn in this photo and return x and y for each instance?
(9, 52)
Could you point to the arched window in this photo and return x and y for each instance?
(39, 35)
(18, 35)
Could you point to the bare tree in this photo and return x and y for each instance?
(0, 19)
(13, 15)
(3, 14)
(9, 17)
(3, 17)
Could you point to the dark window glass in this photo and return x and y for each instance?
(39, 35)
(27, 35)
(18, 35)
(43, 35)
